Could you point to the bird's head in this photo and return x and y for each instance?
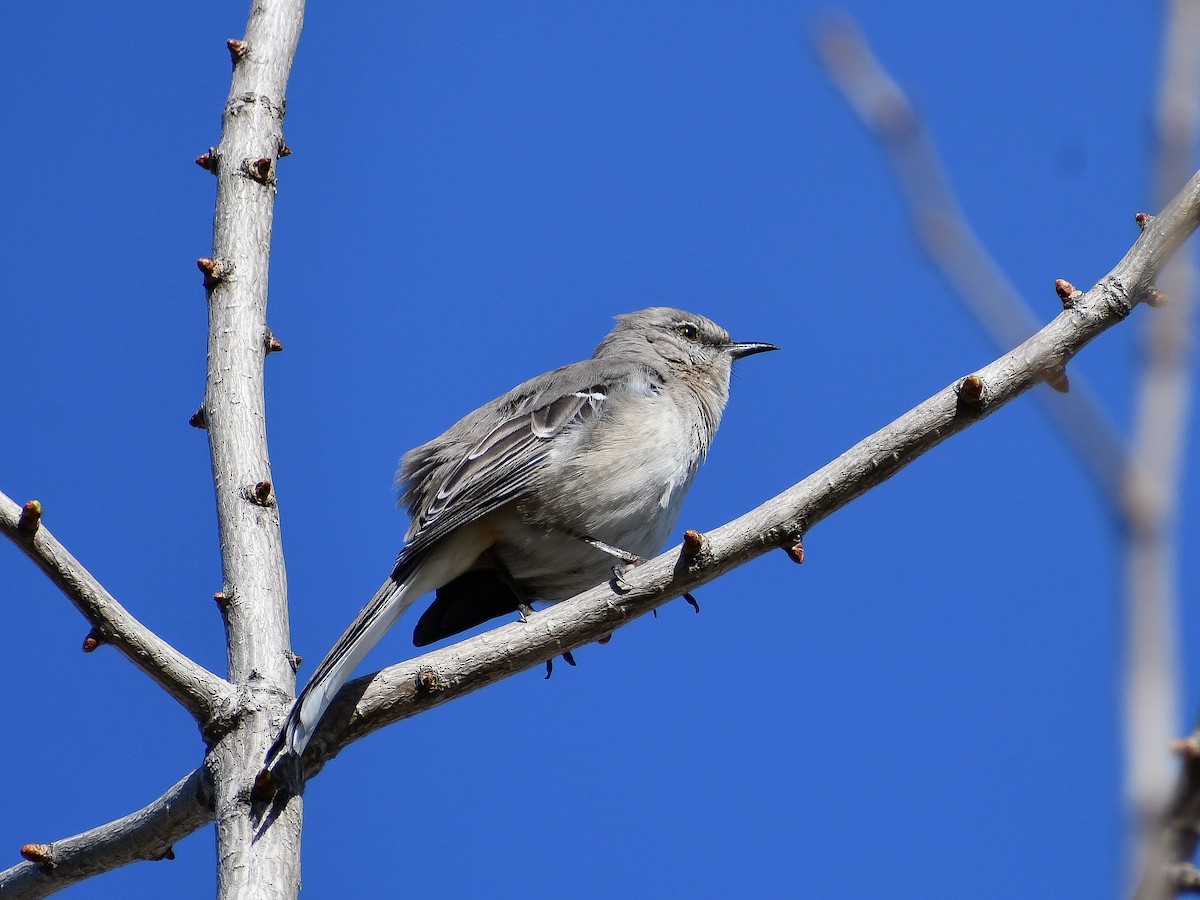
(693, 346)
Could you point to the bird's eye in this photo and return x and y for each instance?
(688, 330)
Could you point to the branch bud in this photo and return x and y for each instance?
(428, 679)
(1156, 298)
(39, 854)
(258, 169)
(972, 390)
(694, 543)
(212, 269)
(199, 418)
(237, 49)
(795, 551)
(93, 640)
(1067, 293)
(1143, 219)
(261, 494)
(31, 517)
(208, 160)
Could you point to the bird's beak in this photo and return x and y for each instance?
(749, 348)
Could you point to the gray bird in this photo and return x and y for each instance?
(539, 494)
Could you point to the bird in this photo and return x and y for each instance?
(546, 491)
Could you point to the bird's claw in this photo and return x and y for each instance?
(567, 657)
(619, 583)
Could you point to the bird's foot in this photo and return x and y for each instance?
(619, 583)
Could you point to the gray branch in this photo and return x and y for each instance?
(1163, 819)
(403, 690)
(246, 162)
(952, 245)
(1140, 481)
(147, 834)
(201, 693)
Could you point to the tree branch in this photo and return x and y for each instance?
(948, 239)
(403, 690)
(147, 834)
(234, 412)
(1162, 819)
(201, 693)
(1140, 480)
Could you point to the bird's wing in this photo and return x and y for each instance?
(493, 455)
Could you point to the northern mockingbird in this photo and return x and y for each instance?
(540, 493)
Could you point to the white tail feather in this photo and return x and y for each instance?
(389, 602)
(454, 555)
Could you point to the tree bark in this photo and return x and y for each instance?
(254, 860)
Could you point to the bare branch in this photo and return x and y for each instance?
(1140, 486)
(1151, 493)
(203, 694)
(235, 277)
(147, 834)
(948, 239)
(253, 597)
(403, 690)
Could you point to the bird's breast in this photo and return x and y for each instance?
(620, 481)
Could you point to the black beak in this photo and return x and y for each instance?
(737, 351)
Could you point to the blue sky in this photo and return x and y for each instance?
(927, 707)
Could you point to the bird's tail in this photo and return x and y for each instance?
(393, 597)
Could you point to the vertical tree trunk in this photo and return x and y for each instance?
(254, 861)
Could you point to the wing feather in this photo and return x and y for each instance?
(496, 453)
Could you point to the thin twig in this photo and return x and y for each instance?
(147, 834)
(400, 691)
(952, 245)
(201, 693)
